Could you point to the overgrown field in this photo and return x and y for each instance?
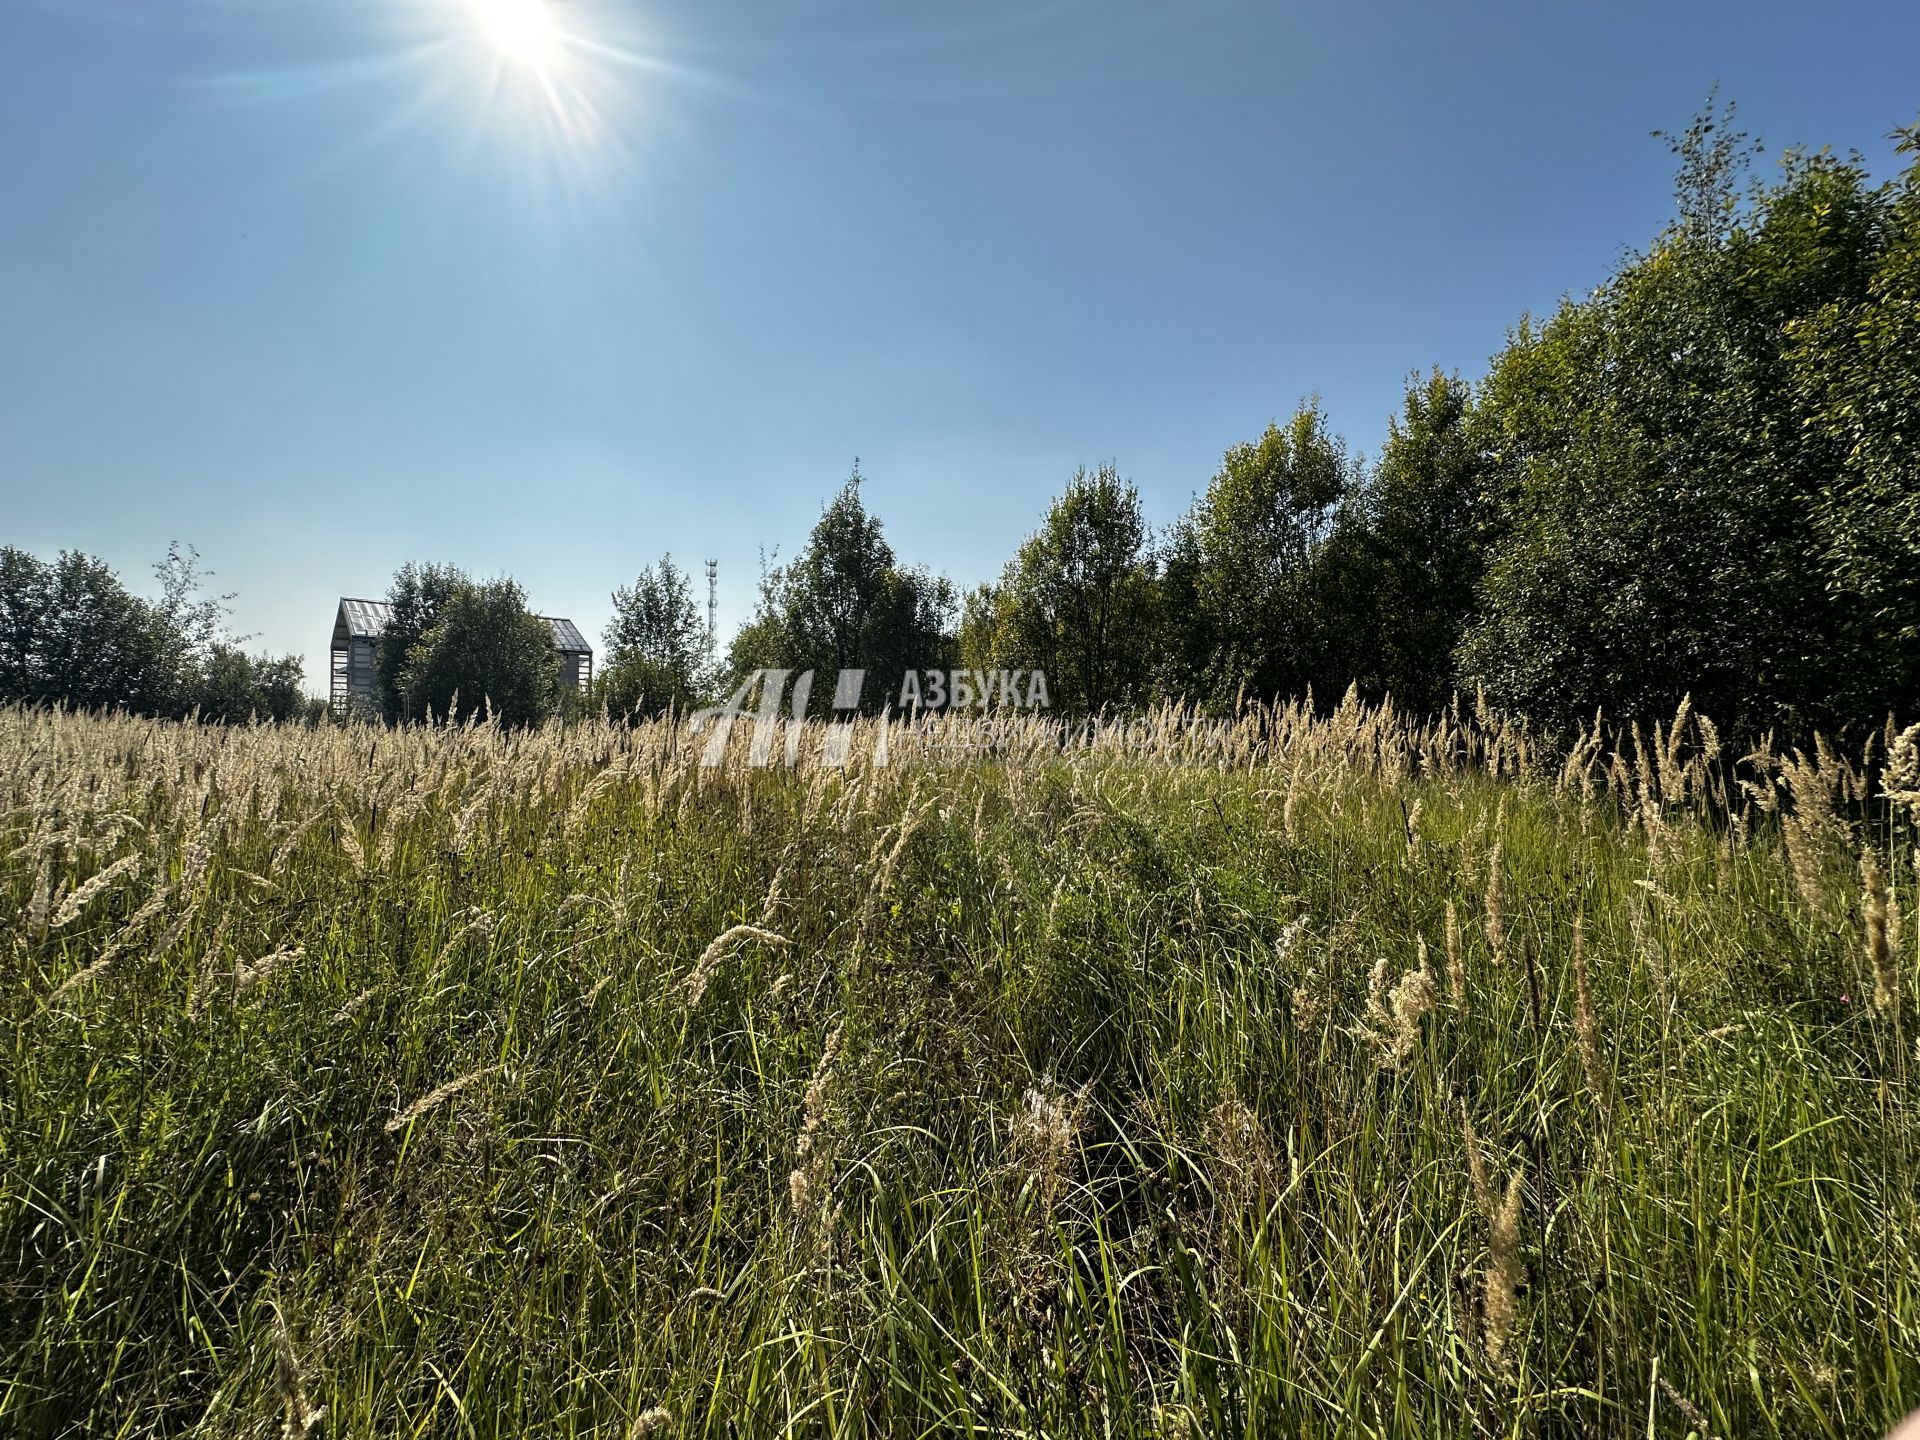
(1338, 1076)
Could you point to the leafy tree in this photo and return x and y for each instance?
(23, 583)
(485, 654)
(234, 687)
(1424, 546)
(1655, 462)
(656, 646)
(1077, 599)
(414, 600)
(194, 622)
(845, 603)
(71, 633)
(977, 641)
(1247, 561)
(1856, 367)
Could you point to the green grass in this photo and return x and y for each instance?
(1111, 1144)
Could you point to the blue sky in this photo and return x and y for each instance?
(322, 287)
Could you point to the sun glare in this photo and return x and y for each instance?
(523, 30)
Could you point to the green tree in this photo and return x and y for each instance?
(1654, 464)
(485, 654)
(845, 603)
(656, 647)
(23, 603)
(234, 687)
(71, 633)
(413, 602)
(1247, 565)
(977, 640)
(193, 621)
(1077, 599)
(1856, 368)
(1424, 545)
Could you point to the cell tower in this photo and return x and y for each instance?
(713, 601)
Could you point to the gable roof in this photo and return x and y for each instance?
(361, 619)
(367, 620)
(567, 638)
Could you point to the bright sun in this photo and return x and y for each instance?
(523, 30)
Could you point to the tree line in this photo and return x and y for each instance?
(1702, 477)
(71, 633)
(1698, 478)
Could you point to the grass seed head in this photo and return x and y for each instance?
(1503, 1275)
(1586, 1026)
(1496, 916)
(435, 1098)
(1456, 961)
(1880, 923)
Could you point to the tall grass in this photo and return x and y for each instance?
(1310, 1076)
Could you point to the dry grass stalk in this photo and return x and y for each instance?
(1309, 1009)
(1476, 1165)
(1044, 1131)
(1500, 1283)
(910, 821)
(1673, 774)
(1394, 1016)
(1241, 1143)
(354, 1006)
(805, 1185)
(482, 924)
(1687, 1408)
(291, 841)
(1496, 917)
(1900, 780)
(438, 1097)
(246, 976)
(1503, 1276)
(40, 901)
(1586, 1026)
(301, 1416)
(76, 902)
(1811, 822)
(1880, 925)
(1456, 960)
(723, 944)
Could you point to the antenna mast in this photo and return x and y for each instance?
(713, 601)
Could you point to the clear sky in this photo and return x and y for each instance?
(325, 286)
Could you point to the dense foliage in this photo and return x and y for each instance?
(483, 653)
(845, 603)
(658, 654)
(413, 602)
(1077, 601)
(71, 633)
(1699, 478)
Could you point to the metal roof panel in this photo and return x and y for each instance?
(567, 638)
(366, 619)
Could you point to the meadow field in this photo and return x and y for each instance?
(1350, 1075)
